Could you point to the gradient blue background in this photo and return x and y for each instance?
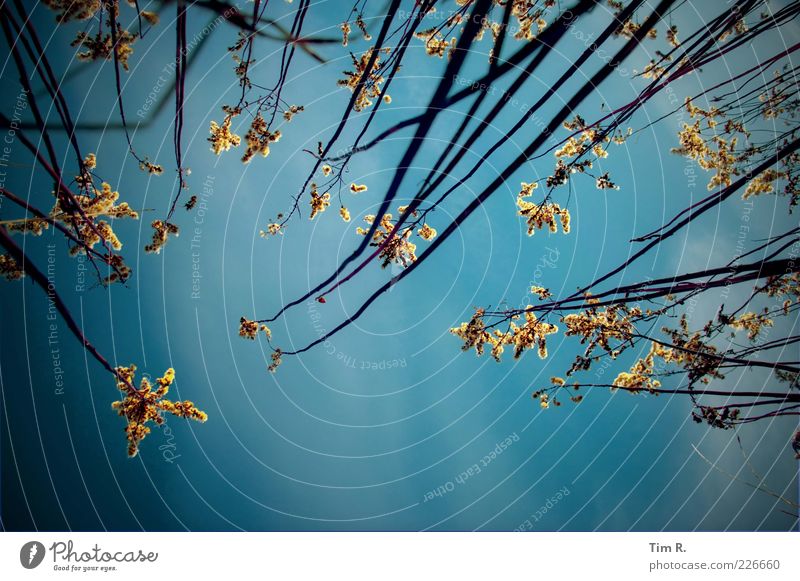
(339, 438)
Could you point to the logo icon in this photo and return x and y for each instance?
(31, 554)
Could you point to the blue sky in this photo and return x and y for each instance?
(356, 434)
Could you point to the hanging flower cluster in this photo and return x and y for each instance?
(579, 152)
(148, 404)
(272, 229)
(318, 201)
(532, 333)
(161, 233)
(713, 142)
(540, 215)
(605, 328)
(249, 329)
(222, 137)
(95, 47)
(9, 269)
(371, 89)
(259, 138)
(100, 45)
(399, 249)
(435, 43)
(83, 215)
(362, 26)
(73, 9)
(751, 322)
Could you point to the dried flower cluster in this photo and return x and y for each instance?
(605, 328)
(73, 9)
(9, 269)
(531, 334)
(249, 329)
(713, 142)
(272, 229)
(397, 249)
(435, 43)
(371, 88)
(161, 233)
(146, 404)
(259, 138)
(99, 46)
(540, 215)
(222, 137)
(81, 214)
(318, 201)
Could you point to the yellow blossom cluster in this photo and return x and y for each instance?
(292, 111)
(628, 28)
(751, 322)
(276, 357)
(161, 232)
(557, 384)
(427, 233)
(526, 189)
(585, 140)
(599, 327)
(242, 69)
(528, 18)
(656, 68)
(222, 138)
(9, 269)
(272, 229)
(435, 43)
(362, 26)
(538, 216)
(672, 36)
(73, 9)
(80, 213)
(399, 250)
(531, 334)
(259, 138)
(773, 103)
(33, 226)
(357, 188)
(640, 377)
(371, 89)
(249, 329)
(95, 203)
(148, 404)
(603, 182)
(723, 158)
(787, 285)
(99, 46)
(345, 26)
(101, 204)
(541, 292)
(739, 27)
(763, 183)
(721, 153)
(544, 400)
(474, 334)
(150, 167)
(318, 201)
(346, 29)
(690, 351)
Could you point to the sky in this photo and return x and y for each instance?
(389, 426)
